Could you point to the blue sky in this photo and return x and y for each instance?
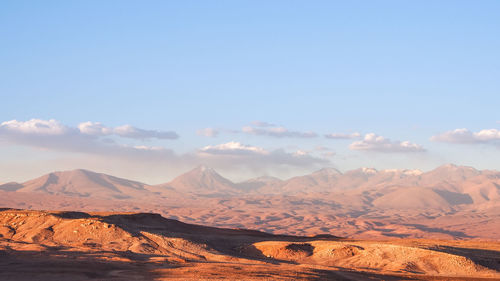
(404, 71)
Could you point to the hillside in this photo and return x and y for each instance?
(128, 246)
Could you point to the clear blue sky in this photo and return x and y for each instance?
(403, 70)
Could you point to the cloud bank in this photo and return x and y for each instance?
(93, 138)
(258, 157)
(342, 136)
(33, 126)
(465, 136)
(53, 127)
(373, 142)
(125, 131)
(86, 138)
(262, 124)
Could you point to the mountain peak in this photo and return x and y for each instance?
(73, 173)
(451, 173)
(202, 179)
(405, 172)
(453, 167)
(448, 166)
(369, 171)
(84, 183)
(415, 172)
(328, 171)
(204, 169)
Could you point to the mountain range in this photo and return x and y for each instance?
(455, 185)
(449, 197)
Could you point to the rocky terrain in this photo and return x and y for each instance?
(42, 245)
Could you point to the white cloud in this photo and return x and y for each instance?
(342, 136)
(208, 132)
(86, 138)
(465, 136)
(94, 128)
(91, 139)
(125, 131)
(256, 158)
(33, 126)
(259, 128)
(278, 132)
(301, 153)
(128, 131)
(373, 142)
(233, 148)
(150, 148)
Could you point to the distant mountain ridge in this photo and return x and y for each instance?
(449, 201)
(447, 185)
(82, 183)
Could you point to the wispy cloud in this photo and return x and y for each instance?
(343, 136)
(373, 142)
(86, 138)
(465, 136)
(257, 157)
(233, 148)
(208, 132)
(126, 131)
(322, 148)
(263, 124)
(277, 132)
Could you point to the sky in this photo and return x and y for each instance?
(147, 90)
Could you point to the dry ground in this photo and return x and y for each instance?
(39, 245)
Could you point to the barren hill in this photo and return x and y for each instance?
(140, 246)
(84, 183)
